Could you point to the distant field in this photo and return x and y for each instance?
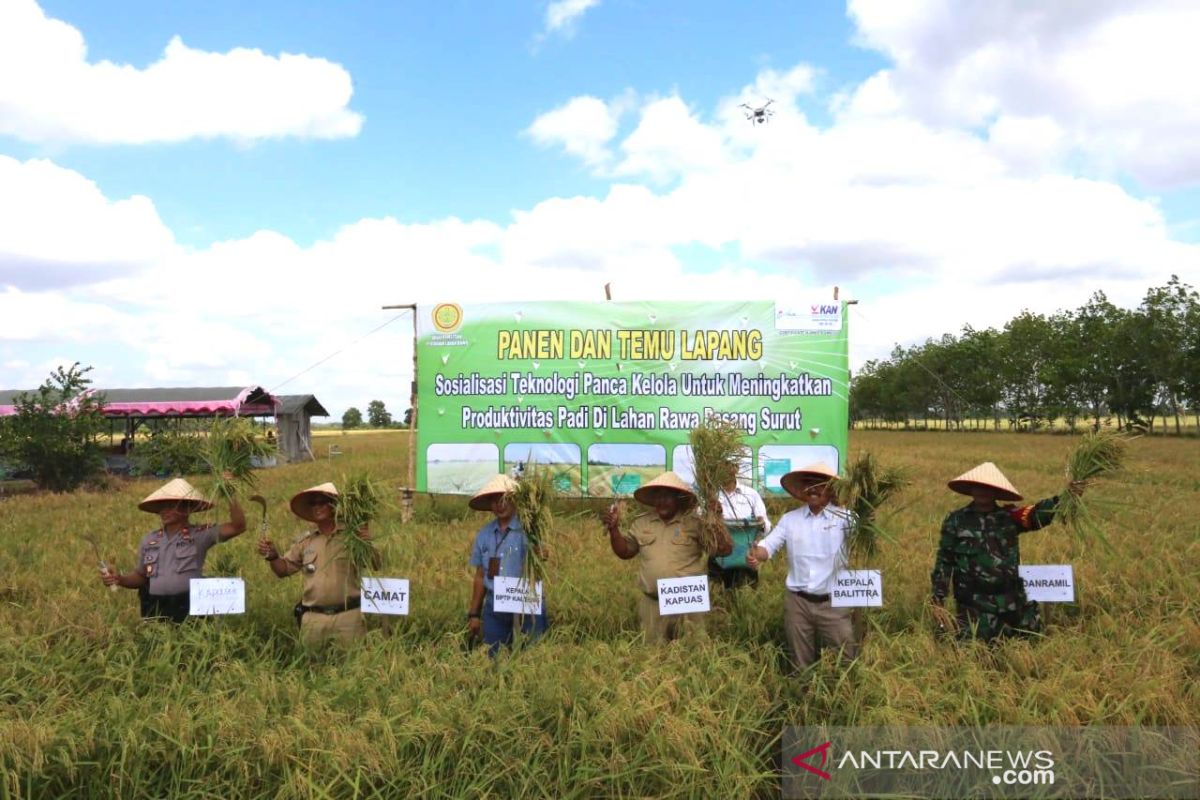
(458, 477)
(567, 477)
(95, 704)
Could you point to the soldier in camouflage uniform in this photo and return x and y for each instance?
(979, 554)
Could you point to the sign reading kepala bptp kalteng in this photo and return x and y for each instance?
(604, 395)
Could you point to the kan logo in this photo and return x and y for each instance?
(802, 760)
(824, 310)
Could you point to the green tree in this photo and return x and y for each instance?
(54, 431)
(1165, 309)
(378, 414)
(352, 419)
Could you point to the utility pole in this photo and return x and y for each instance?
(406, 503)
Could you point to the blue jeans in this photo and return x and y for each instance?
(498, 626)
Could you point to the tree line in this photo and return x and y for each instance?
(1083, 367)
(377, 417)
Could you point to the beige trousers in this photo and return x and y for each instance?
(659, 629)
(344, 628)
(804, 620)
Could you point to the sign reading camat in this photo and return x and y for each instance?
(683, 595)
(210, 596)
(516, 596)
(857, 588)
(1048, 583)
(385, 596)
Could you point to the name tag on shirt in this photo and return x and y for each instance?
(683, 595)
(516, 596)
(213, 596)
(857, 588)
(1048, 583)
(385, 596)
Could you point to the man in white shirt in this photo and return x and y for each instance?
(746, 518)
(815, 537)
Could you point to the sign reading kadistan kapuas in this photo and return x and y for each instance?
(604, 395)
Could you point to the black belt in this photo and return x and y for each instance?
(352, 603)
(812, 598)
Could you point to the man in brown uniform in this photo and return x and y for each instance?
(329, 606)
(668, 545)
(171, 556)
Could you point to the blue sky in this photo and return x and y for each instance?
(226, 192)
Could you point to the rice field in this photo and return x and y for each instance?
(95, 704)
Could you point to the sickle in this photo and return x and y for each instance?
(104, 568)
(262, 501)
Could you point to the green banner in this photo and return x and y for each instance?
(605, 394)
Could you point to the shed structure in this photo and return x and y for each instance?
(293, 418)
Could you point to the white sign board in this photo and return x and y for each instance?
(1048, 583)
(516, 596)
(385, 596)
(683, 595)
(813, 317)
(210, 596)
(857, 588)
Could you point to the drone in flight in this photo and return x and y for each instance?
(759, 115)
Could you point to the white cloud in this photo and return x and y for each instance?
(562, 16)
(583, 127)
(242, 94)
(58, 229)
(1116, 79)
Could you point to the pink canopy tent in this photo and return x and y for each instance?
(171, 402)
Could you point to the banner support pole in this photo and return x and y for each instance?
(406, 498)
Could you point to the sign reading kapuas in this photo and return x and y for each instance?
(605, 394)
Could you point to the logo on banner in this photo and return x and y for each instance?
(809, 318)
(447, 317)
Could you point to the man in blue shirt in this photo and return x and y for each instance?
(499, 551)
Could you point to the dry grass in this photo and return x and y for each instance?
(95, 704)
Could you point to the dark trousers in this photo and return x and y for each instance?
(173, 607)
(498, 627)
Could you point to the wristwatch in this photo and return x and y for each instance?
(473, 615)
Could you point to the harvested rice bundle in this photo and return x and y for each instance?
(533, 499)
(717, 450)
(230, 451)
(360, 501)
(866, 487)
(1098, 454)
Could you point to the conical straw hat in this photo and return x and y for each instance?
(176, 492)
(498, 484)
(986, 474)
(667, 480)
(302, 502)
(796, 481)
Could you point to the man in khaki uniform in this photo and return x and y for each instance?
(329, 606)
(667, 544)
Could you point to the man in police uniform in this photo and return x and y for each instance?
(171, 556)
(667, 544)
(329, 605)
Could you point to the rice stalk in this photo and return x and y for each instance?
(533, 500)
(866, 487)
(717, 450)
(230, 450)
(1099, 454)
(360, 500)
